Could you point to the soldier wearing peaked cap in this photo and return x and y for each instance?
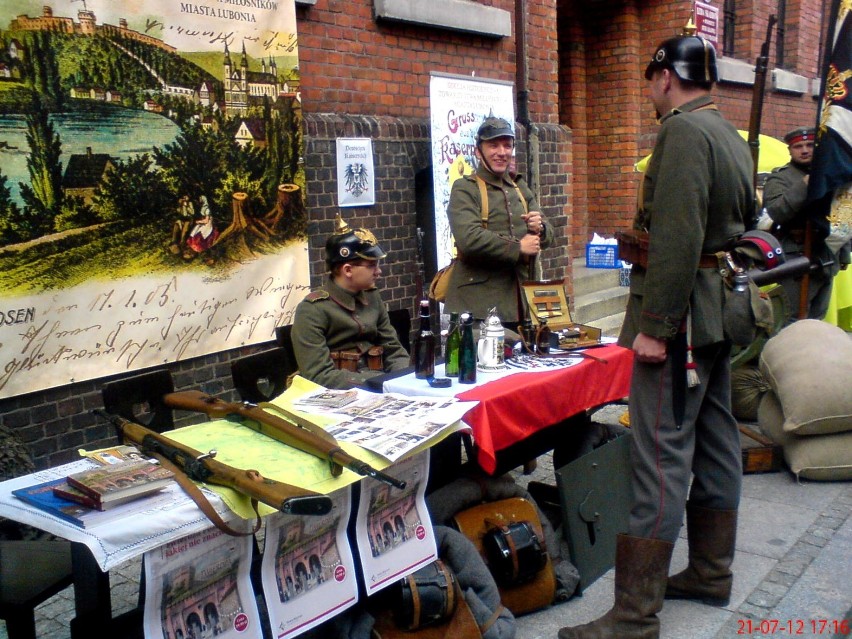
(341, 332)
(497, 253)
(685, 454)
(785, 195)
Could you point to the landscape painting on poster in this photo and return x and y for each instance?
(152, 192)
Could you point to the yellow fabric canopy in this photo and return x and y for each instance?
(773, 153)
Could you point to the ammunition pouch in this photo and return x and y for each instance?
(514, 553)
(426, 597)
(633, 247)
(375, 358)
(346, 360)
(351, 360)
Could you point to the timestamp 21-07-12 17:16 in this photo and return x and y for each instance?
(794, 627)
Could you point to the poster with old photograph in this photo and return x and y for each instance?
(152, 192)
(394, 531)
(199, 586)
(308, 568)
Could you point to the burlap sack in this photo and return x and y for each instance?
(809, 364)
(820, 458)
(747, 388)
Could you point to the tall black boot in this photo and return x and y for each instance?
(641, 566)
(712, 535)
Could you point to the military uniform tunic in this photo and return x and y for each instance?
(784, 195)
(334, 319)
(490, 266)
(697, 195)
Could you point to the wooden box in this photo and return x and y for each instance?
(547, 302)
(760, 454)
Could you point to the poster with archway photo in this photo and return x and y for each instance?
(152, 189)
(308, 569)
(393, 527)
(199, 586)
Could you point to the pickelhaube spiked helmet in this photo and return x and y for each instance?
(691, 57)
(493, 128)
(346, 245)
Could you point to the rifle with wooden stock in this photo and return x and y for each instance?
(294, 431)
(760, 70)
(186, 462)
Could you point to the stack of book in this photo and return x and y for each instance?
(119, 479)
(108, 486)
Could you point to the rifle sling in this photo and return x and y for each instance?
(202, 502)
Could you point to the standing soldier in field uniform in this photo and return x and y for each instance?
(697, 194)
(341, 332)
(494, 255)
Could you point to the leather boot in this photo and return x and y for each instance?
(712, 535)
(641, 566)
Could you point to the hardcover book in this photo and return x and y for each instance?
(42, 497)
(117, 483)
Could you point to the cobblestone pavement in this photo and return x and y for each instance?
(792, 570)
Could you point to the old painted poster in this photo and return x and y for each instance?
(458, 106)
(151, 183)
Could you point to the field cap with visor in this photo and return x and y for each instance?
(347, 245)
(493, 128)
(691, 57)
(800, 134)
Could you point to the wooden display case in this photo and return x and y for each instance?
(547, 302)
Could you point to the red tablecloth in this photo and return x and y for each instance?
(514, 407)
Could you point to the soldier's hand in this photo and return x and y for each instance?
(530, 244)
(535, 224)
(649, 350)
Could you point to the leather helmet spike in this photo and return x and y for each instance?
(691, 57)
(493, 128)
(346, 245)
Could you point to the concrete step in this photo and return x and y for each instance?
(587, 280)
(599, 300)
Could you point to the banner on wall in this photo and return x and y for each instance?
(458, 106)
(151, 184)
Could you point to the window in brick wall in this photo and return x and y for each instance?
(729, 28)
(779, 35)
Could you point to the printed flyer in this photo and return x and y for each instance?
(393, 528)
(199, 586)
(308, 569)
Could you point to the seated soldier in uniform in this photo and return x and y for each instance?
(341, 332)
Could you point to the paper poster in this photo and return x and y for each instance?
(458, 106)
(199, 586)
(151, 184)
(356, 177)
(308, 569)
(393, 528)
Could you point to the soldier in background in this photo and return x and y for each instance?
(785, 195)
(341, 332)
(697, 195)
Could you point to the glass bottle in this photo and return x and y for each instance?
(542, 338)
(424, 345)
(451, 359)
(467, 351)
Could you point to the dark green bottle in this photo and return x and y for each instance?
(424, 345)
(451, 359)
(467, 351)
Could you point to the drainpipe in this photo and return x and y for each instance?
(522, 75)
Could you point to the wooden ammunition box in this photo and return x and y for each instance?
(547, 301)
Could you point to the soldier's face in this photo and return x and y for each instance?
(497, 153)
(363, 275)
(802, 152)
